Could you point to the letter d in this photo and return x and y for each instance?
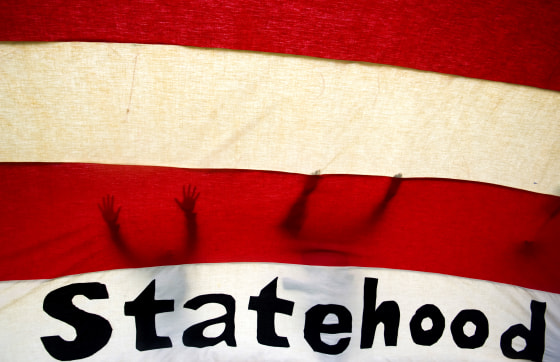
(534, 337)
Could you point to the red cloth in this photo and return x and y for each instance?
(54, 226)
(508, 41)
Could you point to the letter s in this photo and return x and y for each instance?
(92, 331)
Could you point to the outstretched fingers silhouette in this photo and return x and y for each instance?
(189, 200)
(110, 215)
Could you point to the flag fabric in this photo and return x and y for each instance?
(271, 181)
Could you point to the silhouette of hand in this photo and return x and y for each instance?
(189, 200)
(107, 208)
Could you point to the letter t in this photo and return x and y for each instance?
(267, 305)
(144, 309)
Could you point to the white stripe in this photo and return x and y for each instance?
(24, 321)
(203, 108)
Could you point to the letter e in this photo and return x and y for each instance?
(314, 326)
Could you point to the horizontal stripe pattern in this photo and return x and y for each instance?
(218, 112)
(305, 286)
(52, 222)
(509, 41)
(200, 108)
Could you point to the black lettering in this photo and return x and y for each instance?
(314, 326)
(480, 334)
(194, 337)
(431, 336)
(387, 313)
(144, 309)
(267, 305)
(534, 337)
(92, 331)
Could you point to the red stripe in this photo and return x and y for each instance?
(510, 41)
(51, 225)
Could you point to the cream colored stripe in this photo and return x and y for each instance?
(24, 321)
(205, 108)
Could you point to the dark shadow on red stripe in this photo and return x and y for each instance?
(293, 222)
(51, 226)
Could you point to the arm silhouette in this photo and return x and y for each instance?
(187, 206)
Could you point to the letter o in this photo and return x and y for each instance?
(431, 336)
(481, 332)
